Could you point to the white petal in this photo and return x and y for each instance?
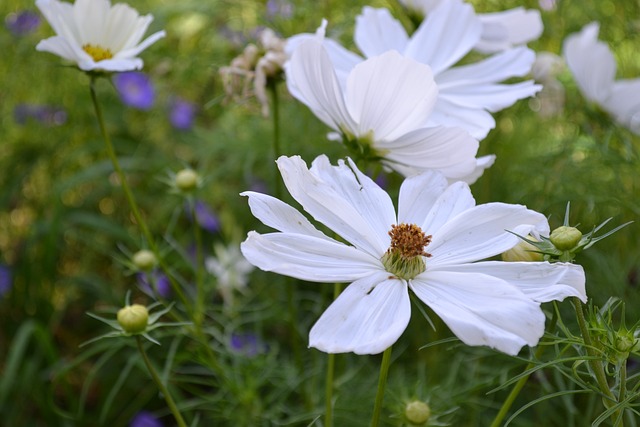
(591, 63)
(126, 64)
(515, 62)
(481, 232)
(624, 103)
(58, 46)
(448, 34)
(314, 82)
(361, 192)
(418, 195)
(308, 258)
(482, 310)
(476, 121)
(338, 208)
(142, 46)
(491, 97)
(540, 281)
(449, 150)
(456, 199)
(367, 317)
(482, 163)
(502, 30)
(390, 95)
(279, 215)
(377, 32)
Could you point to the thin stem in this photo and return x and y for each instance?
(515, 391)
(277, 151)
(163, 390)
(129, 194)
(328, 418)
(382, 382)
(594, 361)
(199, 267)
(622, 392)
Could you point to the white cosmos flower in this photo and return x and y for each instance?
(594, 68)
(381, 109)
(500, 30)
(96, 35)
(467, 93)
(231, 269)
(431, 247)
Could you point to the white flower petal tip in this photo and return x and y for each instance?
(507, 29)
(484, 303)
(594, 69)
(95, 35)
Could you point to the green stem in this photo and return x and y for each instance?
(128, 193)
(622, 392)
(506, 405)
(163, 390)
(199, 268)
(277, 151)
(595, 362)
(328, 418)
(382, 382)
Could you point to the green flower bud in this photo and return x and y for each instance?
(565, 238)
(133, 318)
(625, 342)
(523, 251)
(417, 412)
(187, 180)
(144, 259)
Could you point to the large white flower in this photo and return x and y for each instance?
(594, 69)
(380, 110)
(429, 248)
(96, 35)
(467, 93)
(500, 30)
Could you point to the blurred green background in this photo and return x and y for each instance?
(64, 223)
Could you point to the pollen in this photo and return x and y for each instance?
(405, 256)
(409, 240)
(98, 53)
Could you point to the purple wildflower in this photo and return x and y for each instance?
(205, 217)
(247, 344)
(154, 283)
(145, 419)
(6, 279)
(45, 114)
(135, 89)
(22, 23)
(182, 114)
(280, 8)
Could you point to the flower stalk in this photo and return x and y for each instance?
(382, 382)
(161, 387)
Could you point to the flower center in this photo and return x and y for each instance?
(405, 256)
(98, 53)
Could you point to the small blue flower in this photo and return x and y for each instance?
(22, 23)
(154, 283)
(205, 217)
(182, 114)
(281, 8)
(247, 344)
(145, 419)
(45, 114)
(6, 279)
(135, 89)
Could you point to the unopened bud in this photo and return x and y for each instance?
(144, 259)
(625, 342)
(565, 238)
(523, 251)
(187, 180)
(417, 412)
(133, 318)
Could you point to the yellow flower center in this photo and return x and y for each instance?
(98, 53)
(405, 256)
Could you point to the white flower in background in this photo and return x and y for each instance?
(594, 68)
(231, 269)
(96, 35)
(381, 110)
(467, 93)
(429, 248)
(500, 30)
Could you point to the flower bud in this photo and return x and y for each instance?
(523, 251)
(187, 180)
(565, 238)
(133, 318)
(144, 259)
(625, 342)
(417, 412)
